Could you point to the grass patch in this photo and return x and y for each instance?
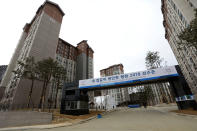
(59, 118)
(186, 111)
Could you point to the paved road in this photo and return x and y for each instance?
(135, 120)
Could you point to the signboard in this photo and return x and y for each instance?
(185, 98)
(146, 75)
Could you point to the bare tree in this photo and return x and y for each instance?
(153, 60)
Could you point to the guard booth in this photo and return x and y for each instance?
(74, 100)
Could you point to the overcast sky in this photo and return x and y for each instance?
(119, 31)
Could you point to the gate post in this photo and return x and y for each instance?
(182, 92)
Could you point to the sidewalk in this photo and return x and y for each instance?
(49, 126)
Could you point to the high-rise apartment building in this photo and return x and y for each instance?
(177, 15)
(78, 62)
(114, 97)
(40, 39)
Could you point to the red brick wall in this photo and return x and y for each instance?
(53, 11)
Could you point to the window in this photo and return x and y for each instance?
(69, 105)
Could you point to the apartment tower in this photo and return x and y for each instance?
(177, 15)
(78, 62)
(116, 96)
(40, 39)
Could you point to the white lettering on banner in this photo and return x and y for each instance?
(185, 98)
(129, 77)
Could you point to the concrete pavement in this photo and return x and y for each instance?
(50, 126)
(141, 119)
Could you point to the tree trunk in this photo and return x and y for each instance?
(40, 104)
(43, 98)
(51, 97)
(44, 95)
(55, 106)
(31, 90)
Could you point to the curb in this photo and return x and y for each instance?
(35, 127)
(181, 114)
(50, 126)
(93, 117)
(177, 114)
